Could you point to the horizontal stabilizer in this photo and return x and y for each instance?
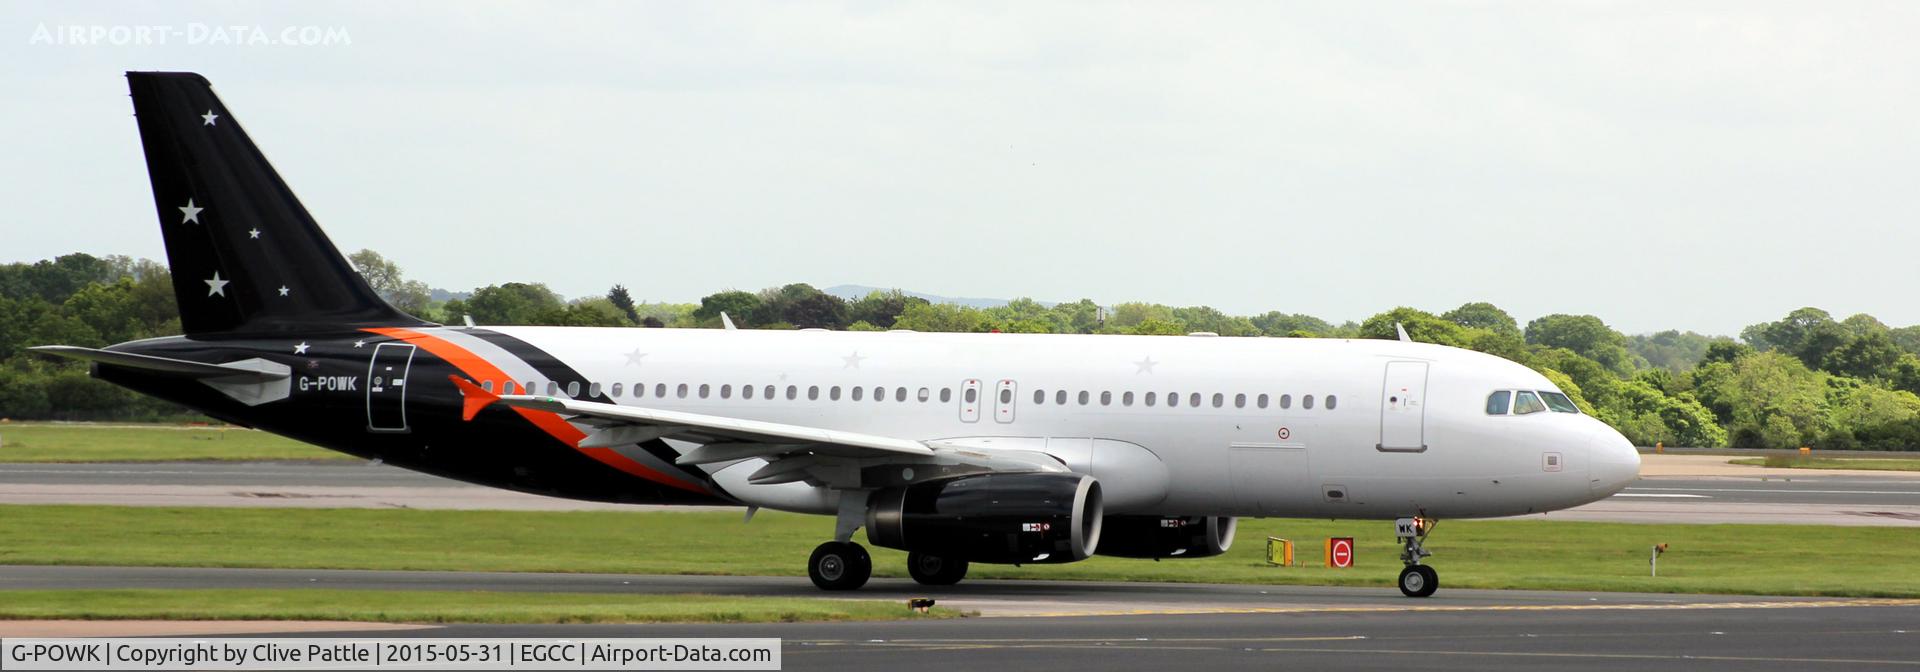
(254, 369)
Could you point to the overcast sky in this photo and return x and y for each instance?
(1662, 165)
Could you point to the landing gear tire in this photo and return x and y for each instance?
(934, 570)
(839, 565)
(1419, 581)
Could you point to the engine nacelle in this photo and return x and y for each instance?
(997, 518)
(1167, 537)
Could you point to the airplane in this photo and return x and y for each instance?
(957, 448)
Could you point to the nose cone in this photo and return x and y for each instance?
(1614, 462)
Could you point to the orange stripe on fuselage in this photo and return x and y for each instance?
(479, 368)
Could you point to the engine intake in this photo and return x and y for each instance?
(1167, 537)
(1040, 518)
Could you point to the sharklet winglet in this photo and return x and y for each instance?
(476, 397)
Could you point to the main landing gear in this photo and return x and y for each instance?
(934, 570)
(1416, 580)
(840, 565)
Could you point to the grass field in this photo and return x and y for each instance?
(1531, 554)
(440, 607)
(42, 442)
(1868, 463)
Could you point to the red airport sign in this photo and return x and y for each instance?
(1340, 552)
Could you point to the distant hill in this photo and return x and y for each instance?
(442, 295)
(851, 292)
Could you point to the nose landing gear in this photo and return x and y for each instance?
(1416, 580)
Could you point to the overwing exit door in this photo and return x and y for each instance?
(387, 387)
(1403, 408)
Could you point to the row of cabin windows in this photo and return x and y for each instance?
(901, 394)
(1173, 399)
(705, 391)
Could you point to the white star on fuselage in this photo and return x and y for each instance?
(192, 214)
(1146, 365)
(209, 117)
(633, 358)
(301, 349)
(216, 285)
(853, 360)
(283, 290)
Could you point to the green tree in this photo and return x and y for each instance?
(1585, 335)
(942, 317)
(623, 300)
(1483, 315)
(880, 309)
(1276, 323)
(1421, 326)
(1869, 355)
(514, 303)
(1806, 333)
(745, 308)
(386, 279)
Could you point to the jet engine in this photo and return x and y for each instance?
(1167, 537)
(998, 518)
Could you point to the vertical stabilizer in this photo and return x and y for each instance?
(245, 255)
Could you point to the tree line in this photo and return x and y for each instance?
(1807, 379)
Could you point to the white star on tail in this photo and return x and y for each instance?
(209, 117)
(254, 233)
(283, 290)
(301, 349)
(192, 213)
(216, 285)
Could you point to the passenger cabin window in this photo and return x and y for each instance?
(553, 388)
(726, 391)
(859, 393)
(1286, 401)
(767, 393)
(1526, 403)
(616, 390)
(792, 392)
(973, 395)
(1306, 401)
(900, 394)
(488, 386)
(1240, 401)
(946, 394)
(1173, 399)
(1498, 401)
(704, 388)
(879, 394)
(746, 391)
(1060, 397)
(1126, 399)
(1106, 398)
(1039, 396)
(593, 389)
(1194, 400)
(1260, 401)
(813, 393)
(1006, 396)
(925, 394)
(1151, 396)
(1083, 397)
(660, 390)
(833, 393)
(1332, 401)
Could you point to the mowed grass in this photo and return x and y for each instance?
(1528, 554)
(439, 607)
(1867, 463)
(42, 442)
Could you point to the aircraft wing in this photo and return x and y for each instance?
(792, 452)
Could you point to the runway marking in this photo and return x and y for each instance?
(1604, 656)
(1661, 494)
(1789, 491)
(1806, 604)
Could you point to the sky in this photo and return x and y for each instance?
(1697, 166)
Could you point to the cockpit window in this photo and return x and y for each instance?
(1527, 403)
(1497, 402)
(1559, 402)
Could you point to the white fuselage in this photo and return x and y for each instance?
(1283, 427)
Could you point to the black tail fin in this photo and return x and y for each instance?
(246, 256)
